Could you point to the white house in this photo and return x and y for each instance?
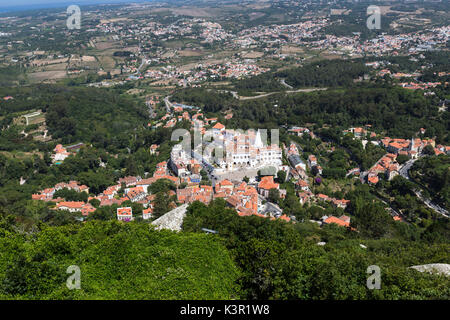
(125, 214)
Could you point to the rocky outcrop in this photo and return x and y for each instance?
(172, 220)
(437, 268)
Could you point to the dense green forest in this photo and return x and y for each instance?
(326, 73)
(439, 63)
(395, 111)
(11, 75)
(117, 261)
(433, 173)
(263, 82)
(77, 114)
(208, 100)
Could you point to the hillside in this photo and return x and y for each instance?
(116, 261)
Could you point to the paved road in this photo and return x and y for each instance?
(236, 96)
(288, 91)
(212, 178)
(234, 93)
(393, 210)
(431, 205)
(404, 172)
(143, 63)
(283, 82)
(306, 90)
(168, 103)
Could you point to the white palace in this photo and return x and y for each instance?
(241, 150)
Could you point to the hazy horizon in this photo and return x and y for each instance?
(33, 4)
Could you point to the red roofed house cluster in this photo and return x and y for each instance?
(135, 190)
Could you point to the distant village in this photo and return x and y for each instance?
(161, 65)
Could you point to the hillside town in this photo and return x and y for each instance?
(250, 158)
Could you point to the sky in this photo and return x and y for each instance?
(52, 3)
(5, 3)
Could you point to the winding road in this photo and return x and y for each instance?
(168, 103)
(404, 172)
(242, 98)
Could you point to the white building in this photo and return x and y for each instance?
(125, 214)
(245, 150)
(60, 153)
(147, 213)
(179, 159)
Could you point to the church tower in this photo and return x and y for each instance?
(413, 147)
(258, 140)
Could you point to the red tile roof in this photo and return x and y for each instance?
(373, 180)
(267, 183)
(218, 126)
(126, 211)
(71, 204)
(337, 221)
